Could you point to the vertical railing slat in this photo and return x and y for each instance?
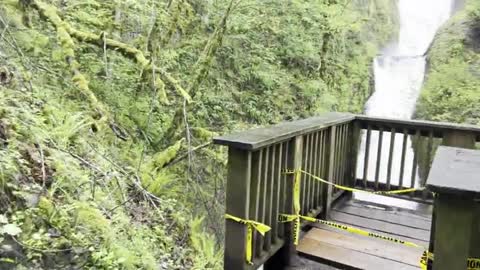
(367, 153)
(310, 170)
(429, 162)
(283, 186)
(402, 162)
(277, 191)
(315, 171)
(303, 194)
(414, 162)
(262, 200)
(345, 157)
(379, 157)
(391, 151)
(327, 189)
(269, 196)
(256, 176)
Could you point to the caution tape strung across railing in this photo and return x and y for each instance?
(261, 228)
(391, 192)
(289, 218)
(472, 263)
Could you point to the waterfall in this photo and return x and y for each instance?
(399, 72)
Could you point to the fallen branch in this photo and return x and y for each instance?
(100, 40)
(186, 154)
(68, 46)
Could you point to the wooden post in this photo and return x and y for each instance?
(327, 189)
(294, 161)
(453, 178)
(237, 204)
(457, 139)
(454, 220)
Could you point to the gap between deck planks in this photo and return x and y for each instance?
(324, 243)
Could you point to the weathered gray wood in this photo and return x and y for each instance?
(429, 160)
(269, 208)
(304, 183)
(345, 151)
(367, 154)
(455, 171)
(414, 163)
(358, 251)
(294, 161)
(379, 157)
(323, 164)
(237, 204)
(439, 128)
(391, 151)
(262, 211)
(456, 138)
(261, 137)
(283, 187)
(459, 138)
(309, 183)
(355, 146)
(277, 187)
(327, 189)
(402, 162)
(387, 214)
(383, 227)
(255, 190)
(315, 170)
(257, 138)
(453, 232)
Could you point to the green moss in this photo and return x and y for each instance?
(451, 92)
(115, 204)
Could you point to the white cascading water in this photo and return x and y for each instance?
(399, 74)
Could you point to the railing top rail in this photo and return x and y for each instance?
(260, 137)
(418, 124)
(257, 138)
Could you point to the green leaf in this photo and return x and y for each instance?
(11, 229)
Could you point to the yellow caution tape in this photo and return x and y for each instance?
(289, 218)
(261, 228)
(400, 191)
(296, 208)
(472, 263)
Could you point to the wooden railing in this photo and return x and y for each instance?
(336, 147)
(397, 154)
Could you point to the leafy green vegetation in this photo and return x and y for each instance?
(451, 89)
(107, 109)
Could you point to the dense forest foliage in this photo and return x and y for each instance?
(451, 91)
(108, 107)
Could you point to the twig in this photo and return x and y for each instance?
(82, 160)
(183, 156)
(38, 249)
(44, 173)
(188, 135)
(105, 59)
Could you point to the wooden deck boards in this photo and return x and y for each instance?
(350, 251)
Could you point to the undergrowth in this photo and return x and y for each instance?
(107, 109)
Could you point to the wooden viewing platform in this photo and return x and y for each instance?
(367, 154)
(346, 250)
